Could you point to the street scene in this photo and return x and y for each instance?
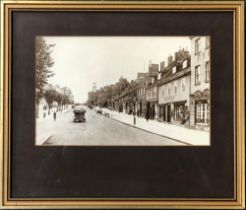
(110, 91)
(98, 130)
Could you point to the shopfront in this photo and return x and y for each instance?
(178, 112)
(165, 113)
(201, 108)
(202, 112)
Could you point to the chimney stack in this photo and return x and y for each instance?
(170, 59)
(162, 66)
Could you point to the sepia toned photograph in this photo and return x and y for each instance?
(113, 105)
(122, 91)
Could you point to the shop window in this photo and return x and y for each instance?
(197, 75)
(202, 112)
(178, 112)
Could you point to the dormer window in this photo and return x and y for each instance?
(185, 64)
(174, 69)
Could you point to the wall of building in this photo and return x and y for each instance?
(199, 59)
(165, 97)
(151, 93)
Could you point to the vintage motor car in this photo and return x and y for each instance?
(79, 114)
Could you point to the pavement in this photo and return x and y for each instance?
(45, 126)
(176, 132)
(98, 130)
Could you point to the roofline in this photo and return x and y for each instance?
(175, 76)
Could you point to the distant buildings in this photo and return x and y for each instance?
(151, 91)
(177, 92)
(94, 87)
(92, 97)
(141, 94)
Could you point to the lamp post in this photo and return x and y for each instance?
(134, 110)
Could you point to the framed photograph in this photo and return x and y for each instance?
(122, 104)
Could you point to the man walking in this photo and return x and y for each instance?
(54, 115)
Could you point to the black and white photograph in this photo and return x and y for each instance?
(122, 91)
(113, 105)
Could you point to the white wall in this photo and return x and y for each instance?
(199, 59)
(164, 97)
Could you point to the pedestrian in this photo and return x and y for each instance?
(187, 116)
(54, 115)
(138, 113)
(44, 115)
(147, 115)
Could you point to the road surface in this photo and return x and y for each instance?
(98, 130)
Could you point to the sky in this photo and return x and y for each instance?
(82, 61)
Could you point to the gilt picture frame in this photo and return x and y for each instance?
(111, 176)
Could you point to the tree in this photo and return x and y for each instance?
(62, 95)
(59, 97)
(43, 63)
(50, 94)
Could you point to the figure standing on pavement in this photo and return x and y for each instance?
(134, 118)
(147, 115)
(54, 115)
